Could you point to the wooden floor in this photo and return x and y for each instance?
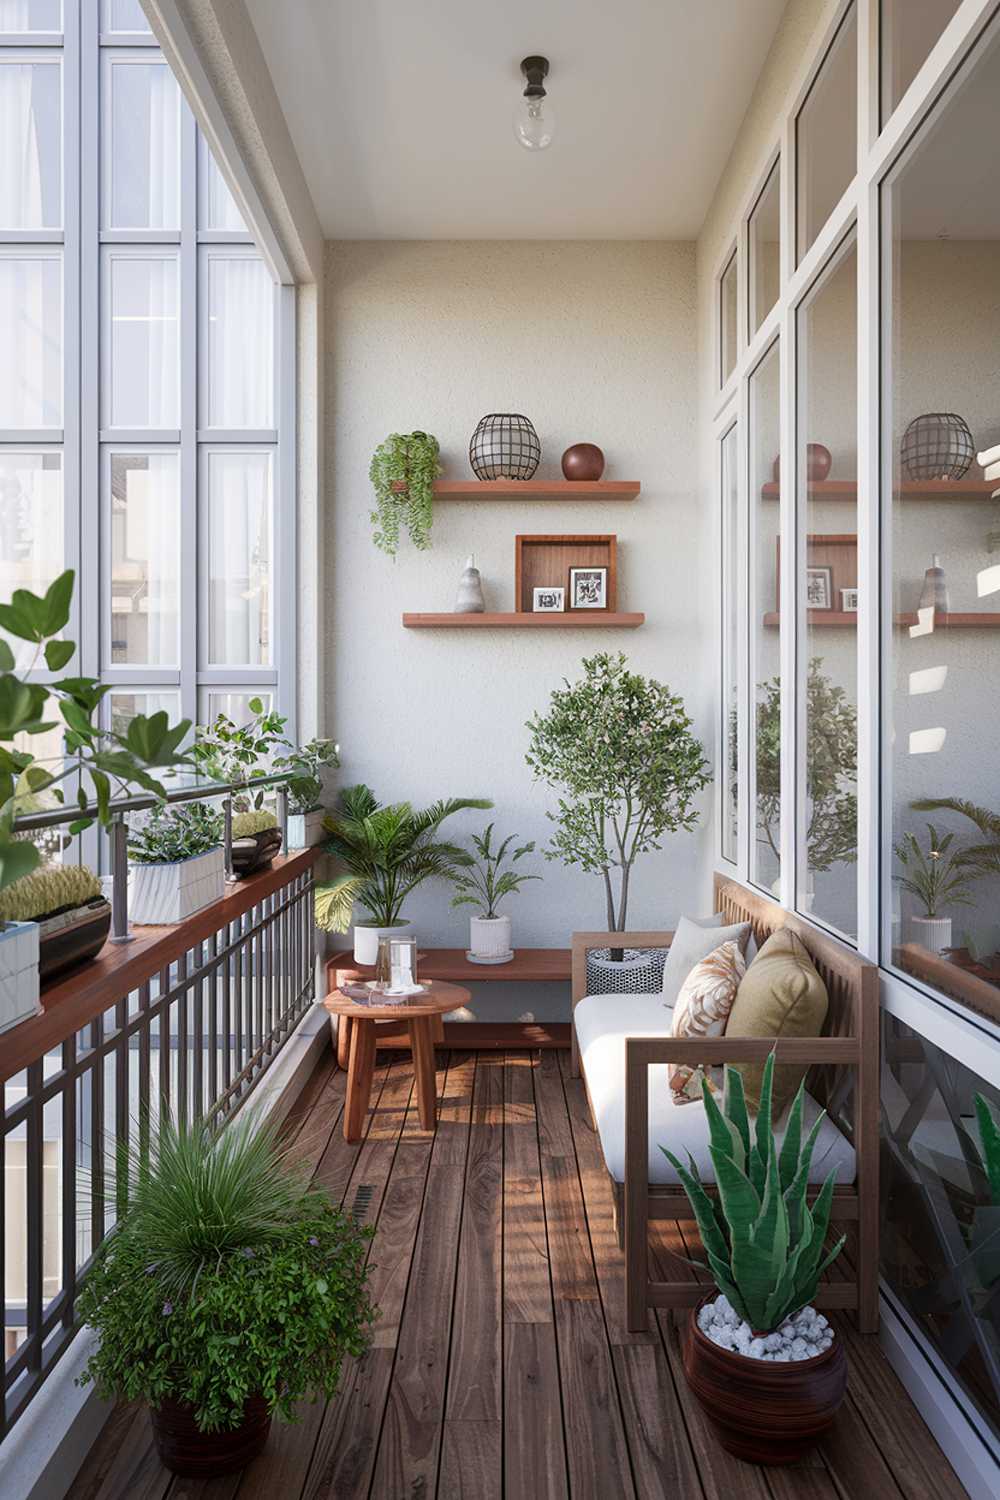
(501, 1364)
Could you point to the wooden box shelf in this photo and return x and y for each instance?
(545, 561)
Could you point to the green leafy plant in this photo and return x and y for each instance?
(978, 859)
(232, 752)
(172, 834)
(485, 883)
(989, 1137)
(101, 763)
(246, 824)
(228, 1276)
(403, 470)
(619, 748)
(764, 1244)
(388, 852)
(47, 891)
(308, 763)
(831, 770)
(935, 877)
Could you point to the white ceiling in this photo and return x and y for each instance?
(401, 112)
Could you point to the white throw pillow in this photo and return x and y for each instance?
(694, 940)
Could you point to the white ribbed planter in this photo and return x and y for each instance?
(160, 894)
(18, 973)
(489, 938)
(305, 829)
(932, 933)
(366, 939)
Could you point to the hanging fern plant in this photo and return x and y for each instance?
(403, 470)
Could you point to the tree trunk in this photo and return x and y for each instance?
(617, 955)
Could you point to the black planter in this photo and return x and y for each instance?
(72, 936)
(185, 1449)
(255, 852)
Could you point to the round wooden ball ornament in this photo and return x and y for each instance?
(583, 461)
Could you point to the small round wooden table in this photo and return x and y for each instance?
(415, 1014)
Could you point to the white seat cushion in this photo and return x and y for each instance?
(602, 1024)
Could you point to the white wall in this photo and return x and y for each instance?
(592, 341)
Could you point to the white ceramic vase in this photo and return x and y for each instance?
(18, 972)
(932, 933)
(305, 829)
(160, 894)
(489, 938)
(366, 939)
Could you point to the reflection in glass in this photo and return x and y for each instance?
(31, 15)
(764, 270)
(941, 757)
(731, 605)
(826, 135)
(765, 662)
(30, 146)
(828, 580)
(125, 15)
(145, 361)
(240, 300)
(144, 148)
(727, 318)
(239, 558)
(125, 704)
(31, 318)
(909, 30)
(31, 530)
(145, 558)
(218, 210)
(235, 705)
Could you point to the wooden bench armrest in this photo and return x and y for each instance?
(643, 1051)
(584, 942)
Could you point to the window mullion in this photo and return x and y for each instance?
(190, 496)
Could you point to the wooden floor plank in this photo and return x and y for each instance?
(534, 1447)
(663, 1460)
(527, 1290)
(136, 1471)
(470, 1461)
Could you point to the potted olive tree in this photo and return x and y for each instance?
(619, 751)
(177, 863)
(768, 1370)
(484, 884)
(230, 1291)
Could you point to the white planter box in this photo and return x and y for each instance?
(160, 894)
(366, 940)
(489, 939)
(18, 973)
(306, 829)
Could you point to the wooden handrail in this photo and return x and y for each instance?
(120, 968)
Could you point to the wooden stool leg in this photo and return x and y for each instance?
(359, 1078)
(343, 1042)
(422, 1043)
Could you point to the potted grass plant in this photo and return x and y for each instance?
(230, 1291)
(388, 852)
(768, 1370)
(484, 883)
(177, 863)
(937, 878)
(51, 919)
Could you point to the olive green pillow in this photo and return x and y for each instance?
(781, 995)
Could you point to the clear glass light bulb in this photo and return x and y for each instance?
(534, 123)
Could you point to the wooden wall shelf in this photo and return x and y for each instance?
(974, 620)
(581, 619)
(910, 489)
(535, 489)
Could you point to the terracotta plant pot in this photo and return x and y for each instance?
(762, 1412)
(583, 461)
(185, 1449)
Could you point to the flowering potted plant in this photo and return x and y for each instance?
(936, 878)
(484, 884)
(305, 789)
(768, 1370)
(230, 1291)
(177, 863)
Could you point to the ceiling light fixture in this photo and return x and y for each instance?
(534, 118)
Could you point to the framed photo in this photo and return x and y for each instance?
(588, 588)
(819, 588)
(546, 601)
(849, 601)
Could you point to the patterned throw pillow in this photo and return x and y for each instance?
(703, 1005)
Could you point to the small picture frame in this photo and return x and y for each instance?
(849, 601)
(548, 600)
(819, 588)
(588, 588)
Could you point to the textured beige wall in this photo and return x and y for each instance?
(592, 341)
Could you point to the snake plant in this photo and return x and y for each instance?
(764, 1244)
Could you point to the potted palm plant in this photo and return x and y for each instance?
(177, 864)
(937, 879)
(229, 1291)
(484, 883)
(768, 1370)
(388, 851)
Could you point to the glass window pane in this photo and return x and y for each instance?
(143, 153)
(126, 703)
(826, 135)
(910, 29)
(240, 304)
(31, 318)
(145, 558)
(940, 408)
(30, 145)
(765, 662)
(125, 15)
(31, 530)
(727, 319)
(145, 361)
(30, 15)
(235, 705)
(731, 603)
(239, 558)
(827, 664)
(765, 251)
(218, 206)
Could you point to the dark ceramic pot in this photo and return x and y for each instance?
(255, 852)
(185, 1449)
(583, 461)
(72, 936)
(764, 1413)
